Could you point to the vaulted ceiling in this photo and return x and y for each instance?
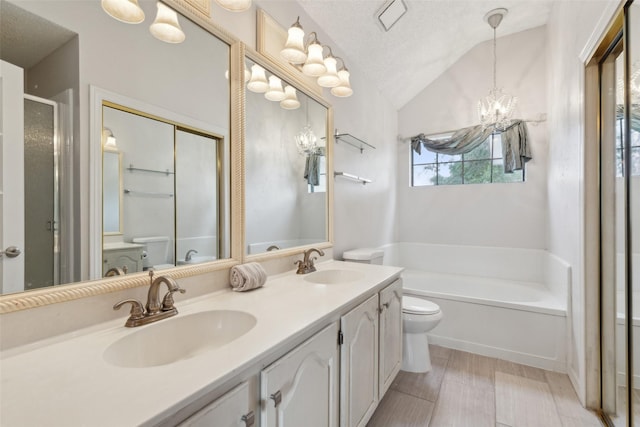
(427, 40)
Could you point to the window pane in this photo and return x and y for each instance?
(450, 173)
(497, 146)
(424, 175)
(482, 151)
(425, 157)
(635, 161)
(442, 158)
(477, 172)
(619, 163)
(635, 138)
(500, 176)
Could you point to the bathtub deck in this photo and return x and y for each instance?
(465, 389)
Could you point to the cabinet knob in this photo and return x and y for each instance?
(277, 398)
(249, 419)
(384, 307)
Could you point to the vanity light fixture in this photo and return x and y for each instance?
(306, 140)
(127, 11)
(258, 82)
(330, 78)
(294, 47)
(275, 92)
(108, 139)
(247, 75)
(290, 102)
(497, 107)
(307, 54)
(234, 5)
(314, 64)
(344, 88)
(166, 26)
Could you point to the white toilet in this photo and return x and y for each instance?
(419, 316)
(155, 253)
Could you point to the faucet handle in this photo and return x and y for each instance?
(167, 301)
(136, 313)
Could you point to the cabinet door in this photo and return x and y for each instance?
(129, 258)
(359, 364)
(301, 388)
(230, 410)
(390, 334)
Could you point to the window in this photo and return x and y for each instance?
(482, 165)
(635, 150)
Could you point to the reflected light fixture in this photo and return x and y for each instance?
(234, 5)
(275, 92)
(290, 102)
(127, 11)
(166, 26)
(497, 107)
(258, 82)
(294, 47)
(108, 139)
(306, 140)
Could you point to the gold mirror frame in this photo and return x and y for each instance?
(42, 297)
(295, 78)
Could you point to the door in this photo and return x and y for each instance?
(301, 388)
(390, 335)
(359, 364)
(12, 178)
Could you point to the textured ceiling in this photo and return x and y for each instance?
(427, 40)
(25, 39)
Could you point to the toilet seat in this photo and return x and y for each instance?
(412, 305)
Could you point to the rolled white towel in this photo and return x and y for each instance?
(245, 277)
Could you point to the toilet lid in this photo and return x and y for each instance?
(412, 305)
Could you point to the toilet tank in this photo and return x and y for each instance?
(156, 249)
(364, 256)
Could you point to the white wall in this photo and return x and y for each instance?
(570, 31)
(503, 215)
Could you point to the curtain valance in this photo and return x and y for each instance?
(515, 143)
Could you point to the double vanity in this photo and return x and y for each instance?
(314, 349)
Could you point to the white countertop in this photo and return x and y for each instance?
(67, 382)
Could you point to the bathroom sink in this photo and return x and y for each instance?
(333, 277)
(197, 260)
(178, 338)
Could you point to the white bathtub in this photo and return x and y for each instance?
(499, 302)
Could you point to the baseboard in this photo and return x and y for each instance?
(541, 362)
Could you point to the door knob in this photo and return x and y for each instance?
(11, 252)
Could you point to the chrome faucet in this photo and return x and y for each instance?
(306, 264)
(187, 257)
(155, 310)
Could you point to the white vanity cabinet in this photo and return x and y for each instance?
(359, 364)
(371, 354)
(121, 255)
(230, 410)
(301, 388)
(390, 335)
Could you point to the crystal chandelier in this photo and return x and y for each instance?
(497, 107)
(306, 140)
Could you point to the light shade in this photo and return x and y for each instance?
(275, 92)
(108, 139)
(330, 77)
(290, 102)
(306, 141)
(258, 82)
(124, 10)
(314, 65)
(235, 5)
(344, 88)
(294, 47)
(166, 26)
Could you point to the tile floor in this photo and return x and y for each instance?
(468, 390)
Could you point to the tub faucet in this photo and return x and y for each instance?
(155, 310)
(187, 257)
(116, 271)
(306, 264)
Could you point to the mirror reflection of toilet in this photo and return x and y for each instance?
(419, 316)
(156, 252)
